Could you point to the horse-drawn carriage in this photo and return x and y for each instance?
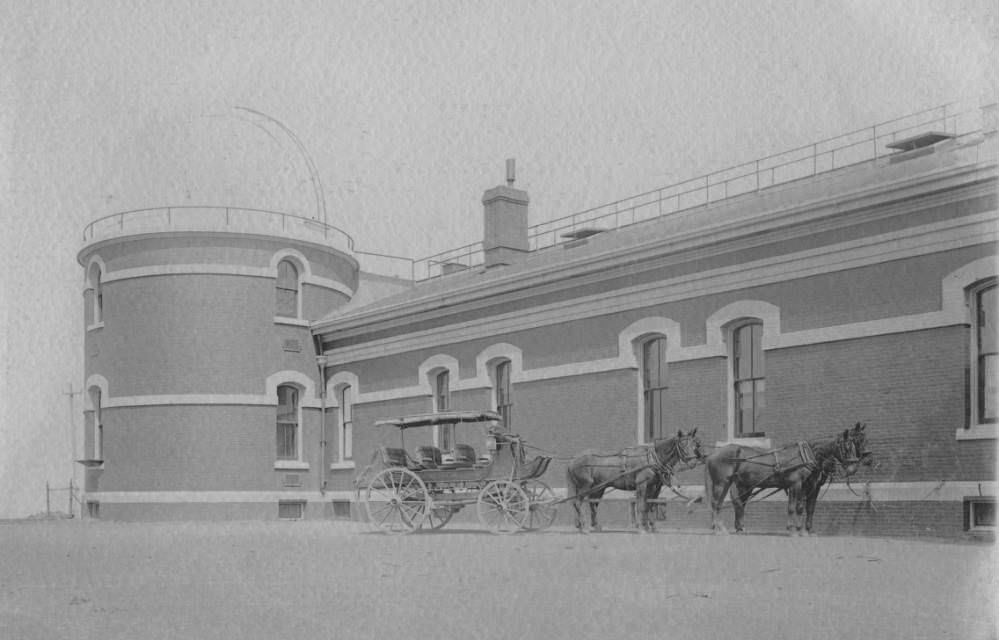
(404, 492)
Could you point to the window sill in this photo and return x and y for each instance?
(978, 432)
(346, 464)
(763, 443)
(291, 465)
(295, 322)
(95, 326)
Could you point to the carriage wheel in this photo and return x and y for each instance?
(543, 505)
(437, 517)
(503, 507)
(397, 501)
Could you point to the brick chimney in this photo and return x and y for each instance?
(505, 209)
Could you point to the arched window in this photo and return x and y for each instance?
(504, 397)
(442, 402)
(287, 289)
(654, 386)
(97, 288)
(984, 349)
(748, 377)
(288, 423)
(98, 447)
(346, 434)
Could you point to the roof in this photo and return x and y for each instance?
(441, 417)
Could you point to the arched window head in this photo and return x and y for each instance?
(748, 378)
(98, 293)
(287, 289)
(654, 387)
(288, 423)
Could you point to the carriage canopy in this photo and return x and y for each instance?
(443, 417)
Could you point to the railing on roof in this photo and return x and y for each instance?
(215, 218)
(863, 145)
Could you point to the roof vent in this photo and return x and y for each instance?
(579, 236)
(926, 139)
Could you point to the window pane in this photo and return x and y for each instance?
(446, 441)
(348, 441)
(988, 388)
(287, 277)
(757, 332)
(286, 449)
(286, 303)
(983, 514)
(987, 320)
(443, 391)
(743, 352)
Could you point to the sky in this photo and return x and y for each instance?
(408, 111)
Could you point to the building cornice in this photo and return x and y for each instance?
(925, 239)
(766, 227)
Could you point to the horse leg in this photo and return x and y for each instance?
(711, 494)
(594, 499)
(811, 498)
(793, 500)
(739, 498)
(573, 492)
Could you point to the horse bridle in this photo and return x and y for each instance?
(680, 451)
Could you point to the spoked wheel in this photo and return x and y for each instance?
(542, 503)
(397, 501)
(503, 507)
(437, 517)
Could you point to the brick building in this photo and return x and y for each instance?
(785, 299)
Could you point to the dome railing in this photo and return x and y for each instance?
(217, 218)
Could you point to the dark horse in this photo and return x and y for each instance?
(800, 469)
(641, 469)
(828, 459)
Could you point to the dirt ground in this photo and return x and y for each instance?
(325, 580)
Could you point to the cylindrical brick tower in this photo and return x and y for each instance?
(202, 392)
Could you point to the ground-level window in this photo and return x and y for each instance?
(291, 509)
(980, 513)
(749, 378)
(287, 423)
(654, 387)
(442, 402)
(504, 398)
(986, 364)
(346, 423)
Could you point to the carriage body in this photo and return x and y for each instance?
(422, 488)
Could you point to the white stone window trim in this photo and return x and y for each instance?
(429, 369)
(306, 391)
(629, 344)
(958, 292)
(334, 385)
(485, 367)
(301, 263)
(720, 325)
(96, 311)
(100, 383)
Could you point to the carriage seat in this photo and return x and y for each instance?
(464, 454)
(461, 457)
(396, 457)
(429, 456)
